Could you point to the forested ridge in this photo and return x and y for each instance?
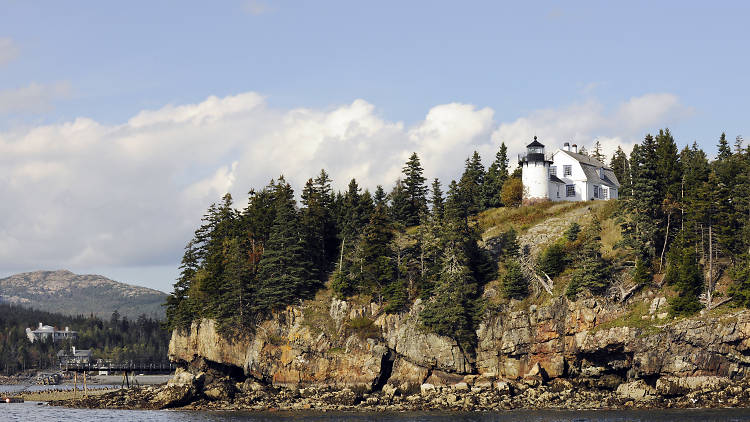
(681, 225)
(118, 338)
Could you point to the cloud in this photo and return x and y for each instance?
(87, 194)
(8, 51)
(586, 122)
(33, 98)
(255, 7)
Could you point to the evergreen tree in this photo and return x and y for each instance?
(621, 167)
(644, 206)
(686, 276)
(284, 272)
(514, 284)
(724, 151)
(381, 198)
(583, 151)
(400, 204)
(437, 199)
(591, 269)
(496, 176)
(471, 184)
(378, 271)
(453, 310)
(455, 205)
(597, 153)
(552, 259)
(416, 191)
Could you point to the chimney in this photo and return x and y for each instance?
(74, 350)
(40, 325)
(575, 148)
(566, 146)
(67, 328)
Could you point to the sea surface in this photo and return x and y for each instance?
(36, 411)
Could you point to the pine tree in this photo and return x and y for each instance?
(400, 203)
(552, 259)
(496, 176)
(724, 151)
(471, 184)
(621, 167)
(591, 269)
(381, 198)
(453, 311)
(416, 191)
(284, 273)
(644, 206)
(583, 151)
(686, 276)
(455, 205)
(437, 201)
(514, 284)
(597, 153)
(378, 271)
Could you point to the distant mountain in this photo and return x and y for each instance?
(67, 293)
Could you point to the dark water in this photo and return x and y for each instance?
(31, 411)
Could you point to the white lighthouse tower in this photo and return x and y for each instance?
(534, 172)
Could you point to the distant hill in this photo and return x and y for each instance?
(73, 294)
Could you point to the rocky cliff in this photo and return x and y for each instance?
(591, 344)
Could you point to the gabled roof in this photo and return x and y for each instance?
(585, 159)
(590, 168)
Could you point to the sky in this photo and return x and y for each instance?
(120, 123)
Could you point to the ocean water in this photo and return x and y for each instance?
(34, 411)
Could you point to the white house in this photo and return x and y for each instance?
(44, 332)
(565, 175)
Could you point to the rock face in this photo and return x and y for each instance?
(346, 345)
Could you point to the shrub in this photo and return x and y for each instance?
(552, 259)
(512, 192)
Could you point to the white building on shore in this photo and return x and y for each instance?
(44, 332)
(565, 175)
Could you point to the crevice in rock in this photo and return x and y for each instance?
(386, 368)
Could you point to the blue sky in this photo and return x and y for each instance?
(446, 77)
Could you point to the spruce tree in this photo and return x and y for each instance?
(591, 269)
(400, 208)
(284, 273)
(436, 200)
(471, 184)
(621, 167)
(416, 191)
(597, 152)
(514, 284)
(496, 176)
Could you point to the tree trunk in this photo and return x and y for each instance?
(709, 290)
(666, 237)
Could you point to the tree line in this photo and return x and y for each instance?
(119, 338)
(414, 241)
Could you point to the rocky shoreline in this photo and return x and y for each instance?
(185, 392)
(586, 354)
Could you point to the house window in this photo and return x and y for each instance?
(567, 170)
(605, 193)
(570, 190)
(596, 191)
(553, 171)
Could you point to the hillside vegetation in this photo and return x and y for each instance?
(680, 226)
